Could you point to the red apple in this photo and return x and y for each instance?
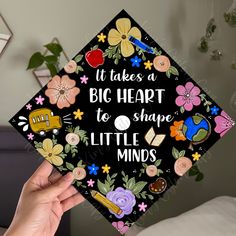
(95, 58)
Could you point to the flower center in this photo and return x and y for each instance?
(62, 91)
(187, 95)
(123, 36)
(49, 154)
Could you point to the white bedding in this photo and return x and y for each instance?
(214, 218)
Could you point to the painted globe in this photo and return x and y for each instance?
(196, 128)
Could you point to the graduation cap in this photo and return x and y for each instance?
(125, 119)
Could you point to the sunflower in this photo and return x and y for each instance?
(51, 153)
(121, 36)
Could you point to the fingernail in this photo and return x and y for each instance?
(69, 176)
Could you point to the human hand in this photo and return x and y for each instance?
(44, 199)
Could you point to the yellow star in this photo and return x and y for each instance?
(106, 169)
(101, 37)
(78, 114)
(148, 65)
(196, 156)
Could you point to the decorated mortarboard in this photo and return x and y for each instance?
(125, 119)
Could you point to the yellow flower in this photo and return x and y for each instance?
(78, 114)
(106, 169)
(101, 37)
(196, 156)
(51, 153)
(121, 34)
(148, 65)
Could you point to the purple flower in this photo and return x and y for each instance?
(188, 96)
(223, 123)
(123, 198)
(120, 226)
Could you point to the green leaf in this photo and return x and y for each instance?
(173, 70)
(51, 59)
(52, 69)
(67, 148)
(157, 162)
(78, 58)
(138, 187)
(150, 197)
(182, 109)
(114, 175)
(199, 177)
(78, 183)
(54, 48)
(130, 184)
(69, 166)
(182, 153)
(102, 187)
(193, 171)
(168, 73)
(36, 60)
(175, 153)
(80, 68)
(144, 165)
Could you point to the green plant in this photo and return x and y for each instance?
(51, 61)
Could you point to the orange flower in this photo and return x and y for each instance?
(176, 131)
(62, 91)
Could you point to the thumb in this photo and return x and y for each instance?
(59, 187)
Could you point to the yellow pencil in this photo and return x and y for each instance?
(106, 202)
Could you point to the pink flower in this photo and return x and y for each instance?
(121, 227)
(188, 96)
(223, 123)
(62, 91)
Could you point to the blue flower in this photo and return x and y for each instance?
(214, 110)
(93, 169)
(136, 61)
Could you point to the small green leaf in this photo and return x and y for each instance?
(78, 58)
(168, 73)
(131, 184)
(157, 162)
(182, 109)
(173, 70)
(102, 187)
(182, 153)
(80, 68)
(54, 48)
(199, 177)
(52, 69)
(150, 197)
(69, 166)
(36, 60)
(193, 171)
(138, 187)
(67, 148)
(175, 153)
(51, 59)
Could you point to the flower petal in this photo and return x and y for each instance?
(196, 101)
(195, 91)
(127, 48)
(180, 101)
(62, 102)
(53, 95)
(57, 149)
(135, 32)
(47, 145)
(54, 82)
(114, 37)
(123, 25)
(180, 90)
(188, 106)
(71, 94)
(120, 224)
(42, 152)
(56, 160)
(189, 86)
(124, 229)
(66, 82)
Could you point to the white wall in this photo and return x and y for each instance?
(177, 26)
